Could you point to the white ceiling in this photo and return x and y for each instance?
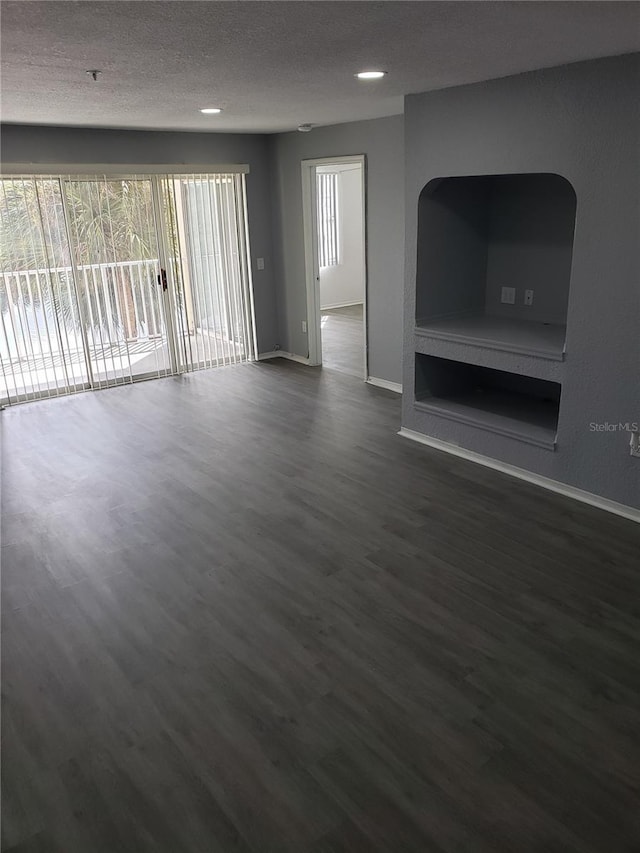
(275, 65)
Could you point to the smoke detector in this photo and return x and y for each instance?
(305, 128)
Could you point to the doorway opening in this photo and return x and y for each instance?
(334, 203)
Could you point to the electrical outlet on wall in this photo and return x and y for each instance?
(304, 326)
(508, 295)
(260, 263)
(528, 297)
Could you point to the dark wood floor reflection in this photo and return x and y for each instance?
(241, 614)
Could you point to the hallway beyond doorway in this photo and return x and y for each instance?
(333, 203)
(342, 333)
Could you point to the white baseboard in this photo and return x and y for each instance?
(384, 383)
(521, 474)
(340, 305)
(280, 353)
(293, 357)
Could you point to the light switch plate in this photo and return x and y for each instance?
(260, 263)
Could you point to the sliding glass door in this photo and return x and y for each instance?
(208, 242)
(107, 280)
(114, 235)
(42, 351)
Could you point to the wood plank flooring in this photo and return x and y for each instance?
(343, 340)
(241, 614)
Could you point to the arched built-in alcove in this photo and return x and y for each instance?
(492, 290)
(480, 234)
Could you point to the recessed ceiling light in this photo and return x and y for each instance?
(370, 75)
(211, 110)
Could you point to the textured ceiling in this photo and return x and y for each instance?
(274, 65)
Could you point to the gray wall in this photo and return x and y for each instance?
(581, 121)
(451, 248)
(532, 223)
(478, 234)
(31, 144)
(275, 210)
(382, 143)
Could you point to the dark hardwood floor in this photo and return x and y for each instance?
(343, 340)
(241, 614)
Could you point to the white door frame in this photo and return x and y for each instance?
(312, 267)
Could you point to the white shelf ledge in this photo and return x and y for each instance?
(541, 340)
(518, 417)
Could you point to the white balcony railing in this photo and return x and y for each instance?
(42, 314)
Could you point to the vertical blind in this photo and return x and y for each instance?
(327, 195)
(208, 242)
(41, 348)
(114, 228)
(105, 280)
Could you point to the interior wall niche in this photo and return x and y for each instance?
(522, 407)
(479, 234)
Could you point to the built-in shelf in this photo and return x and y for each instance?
(519, 407)
(494, 413)
(494, 257)
(540, 340)
(493, 273)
